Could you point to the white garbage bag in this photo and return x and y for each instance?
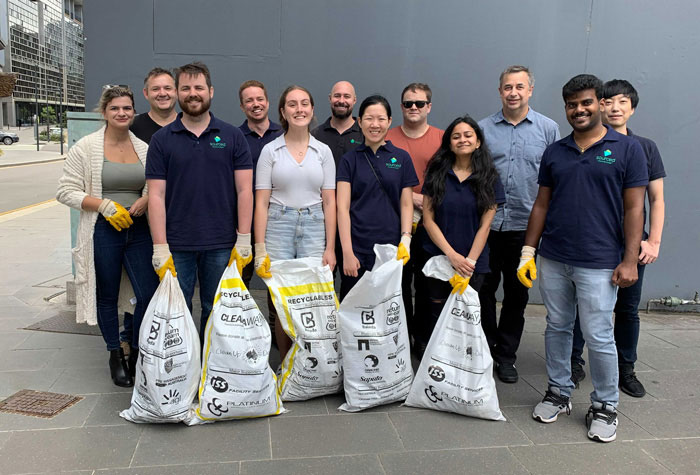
(456, 373)
(167, 372)
(374, 336)
(237, 381)
(303, 294)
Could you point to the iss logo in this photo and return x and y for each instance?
(216, 408)
(153, 333)
(310, 362)
(307, 319)
(473, 318)
(219, 384)
(168, 366)
(368, 317)
(392, 314)
(172, 397)
(371, 361)
(432, 394)
(436, 373)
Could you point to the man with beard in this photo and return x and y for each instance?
(159, 91)
(200, 180)
(589, 214)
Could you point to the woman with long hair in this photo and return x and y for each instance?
(295, 213)
(460, 194)
(104, 177)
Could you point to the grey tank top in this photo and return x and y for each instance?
(123, 182)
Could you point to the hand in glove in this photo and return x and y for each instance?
(115, 214)
(459, 283)
(527, 264)
(404, 251)
(262, 261)
(242, 252)
(163, 260)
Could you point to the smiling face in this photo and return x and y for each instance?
(375, 123)
(583, 110)
(342, 99)
(160, 92)
(617, 110)
(254, 104)
(463, 140)
(297, 110)
(413, 114)
(515, 91)
(193, 94)
(119, 112)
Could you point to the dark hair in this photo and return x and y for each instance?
(374, 100)
(283, 100)
(484, 173)
(580, 83)
(418, 86)
(251, 83)
(192, 69)
(620, 86)
(156, 72)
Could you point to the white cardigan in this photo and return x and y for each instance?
(82, 176)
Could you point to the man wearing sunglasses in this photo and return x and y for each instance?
(421, 141)
(516, 136)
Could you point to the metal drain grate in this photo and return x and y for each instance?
(38, 403)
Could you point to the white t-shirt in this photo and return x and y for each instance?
(297, 185)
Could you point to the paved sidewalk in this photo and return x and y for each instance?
(657, 434)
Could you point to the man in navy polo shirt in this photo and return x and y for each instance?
(621, 101)
(200, 192)
(591, 182)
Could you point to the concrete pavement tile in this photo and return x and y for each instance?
(567, 429)
(534, 324)
(335, 401)
(312, 407)
(230, 441)
(530, 362)
(533, 341)
(23, 360)
(467, 461)
(679, 456)
(667, 418)
(87, 381)
(619, 458)
(230, 468)
(442, 430)
(39, 380)
(39, 340)
(650, 340)
(107, 409)
(343, 465)
(681, 338)
(11, 340)
(671, 384)
(74, 416)
(4, 437)
(317, 436)
(582, 395)
(669, 358)
(518, 394)
(70, 449)
(80, 358)
(13, 324)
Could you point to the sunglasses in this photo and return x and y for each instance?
(419, 104)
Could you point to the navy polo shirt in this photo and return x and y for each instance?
(374, 218)
(256, 142)
(458, 218)
(584, 223)
(654, 163)
(200, 194)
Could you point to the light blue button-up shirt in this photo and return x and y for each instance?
(517, 151)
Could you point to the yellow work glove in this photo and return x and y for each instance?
(242, 252)
(115, 214)
(162, 260)
(404, 251)
(262, 261)
(459, 283)
(527, 264)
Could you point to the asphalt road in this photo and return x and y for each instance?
(26, 185)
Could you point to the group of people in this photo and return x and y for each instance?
(489, 195)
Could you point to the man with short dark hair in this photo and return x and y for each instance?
(589, 214)
(200, 186)
(159, 91)
(620, 102)
(516, 136)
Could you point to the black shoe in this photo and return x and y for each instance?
(133, 360)
(119, 370)
(507, 373)
(577, 373)
(630, 384)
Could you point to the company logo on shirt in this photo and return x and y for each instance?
(217, 143)
(606, 158)
(393, 163)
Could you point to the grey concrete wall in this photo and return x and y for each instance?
(459, 47)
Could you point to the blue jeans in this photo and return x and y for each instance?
(208, 266)
(563, 288)
(295, 232)
(131, 249)
(626, 325)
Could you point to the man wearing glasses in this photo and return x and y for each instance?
(421, 140)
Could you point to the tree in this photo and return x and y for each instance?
(48, 114)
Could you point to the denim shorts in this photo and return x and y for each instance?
(295, 232)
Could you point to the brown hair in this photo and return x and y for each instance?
(192, 69)
(250, 83)
(283, 100)
(112, 92)
(156, 72)
(418, 86)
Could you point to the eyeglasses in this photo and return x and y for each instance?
(419, 104)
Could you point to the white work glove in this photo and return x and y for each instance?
(163, 260)
(262, 261)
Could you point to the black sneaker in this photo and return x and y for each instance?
(577, 373)
(507, 373)
(629, 384)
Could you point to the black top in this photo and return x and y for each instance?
(339, 144)
(144, 127)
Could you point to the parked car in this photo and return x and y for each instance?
(8, 138)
